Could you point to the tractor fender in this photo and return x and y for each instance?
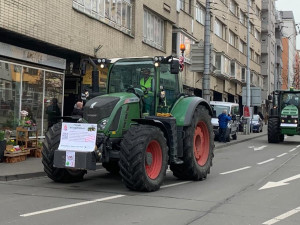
(154, 122)
(185, 107)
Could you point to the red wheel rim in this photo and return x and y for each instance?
(154, 165)
(201, 143)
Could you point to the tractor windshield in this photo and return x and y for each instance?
(290, 99)
(132, 74)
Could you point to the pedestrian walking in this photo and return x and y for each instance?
(223, 122)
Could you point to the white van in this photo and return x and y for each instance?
(233, 125)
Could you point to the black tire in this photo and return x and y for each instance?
(196, 167)
(142, 171)
(273, 130)
(112, 167)
(50, 145)
(234, 137)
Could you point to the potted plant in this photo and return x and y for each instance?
(2, 145)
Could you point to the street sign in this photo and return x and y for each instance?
(255, 96)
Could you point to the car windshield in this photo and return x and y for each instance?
(218, 109)
(128, 74)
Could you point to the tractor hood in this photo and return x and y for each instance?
(101, 107)
(289, 110)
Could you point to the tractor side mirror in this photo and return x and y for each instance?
(174, 67)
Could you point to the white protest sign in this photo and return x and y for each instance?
(78, 137)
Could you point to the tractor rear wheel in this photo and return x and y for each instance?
(112, 167)
(50, 145)
(273, 130)
(143, 158)
(198, 148)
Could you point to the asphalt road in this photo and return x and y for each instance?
(238, 191)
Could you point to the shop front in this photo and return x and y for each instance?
(29, 81)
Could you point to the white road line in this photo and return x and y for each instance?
(298, 146)
(232, 171)
(72, 205)
(293, 149)
(269, 160)
(172, 185)
(282, 216)
(281, 155)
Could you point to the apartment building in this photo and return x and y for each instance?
(43, 42)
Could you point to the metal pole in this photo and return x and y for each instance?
(275, 69)
(206, 72)
(248, 92)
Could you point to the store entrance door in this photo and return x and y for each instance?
(72, 93)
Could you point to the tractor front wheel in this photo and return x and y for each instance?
(50, 145)
(143, 158)
(273, 130)
(198, 148)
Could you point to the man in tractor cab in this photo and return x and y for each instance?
(293, 101)
(146, 85)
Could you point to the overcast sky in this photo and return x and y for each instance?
(290, 5)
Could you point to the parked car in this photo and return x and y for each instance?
(233, 125)
(256, 124)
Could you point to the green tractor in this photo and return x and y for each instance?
(284, 115)
(143, 125)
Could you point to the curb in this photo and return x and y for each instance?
(22, 176)
(238, 141)
(30, 175)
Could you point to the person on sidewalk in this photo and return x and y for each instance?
(78, 109)
(223, 122)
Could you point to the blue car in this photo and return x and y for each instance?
(256, 124)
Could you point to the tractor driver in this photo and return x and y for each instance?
(146, 83)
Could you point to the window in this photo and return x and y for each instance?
(117, 11)
(232, 38)
(251, 28)
(242, 47)
(200, 13)
(182, 5)
(243, 19)
(233, 7)
(220, 29)
(256, 34)
(244, 74)
(257, 12)
(252, 54)
(257, 57)
(153, 30)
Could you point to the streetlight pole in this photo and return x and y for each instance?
(248, 91)
(206, 72)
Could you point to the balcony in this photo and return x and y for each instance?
(265, 5)
(264, 48)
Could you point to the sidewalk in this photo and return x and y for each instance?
(33, 167)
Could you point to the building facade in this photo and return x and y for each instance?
(54, 37)
(289, 48)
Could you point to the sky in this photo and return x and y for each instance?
(290, 5)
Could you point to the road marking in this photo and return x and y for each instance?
(281, 155)
(172, 185)
(71, 205)
(298, 146)
(293, 149)
(232, 171)
(282, 216)
(279, 183)
(269, 160)
(260, 148)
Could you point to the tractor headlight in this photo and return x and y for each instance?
(295, 121)
(102, 124)
(282, 121)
